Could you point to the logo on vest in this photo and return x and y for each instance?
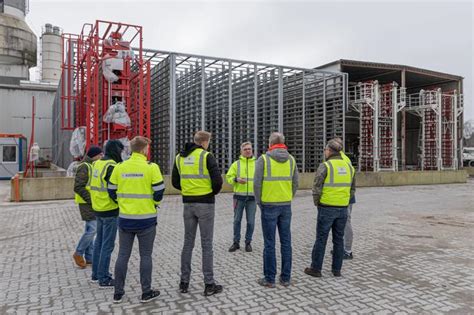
(96, 173)
(341, 171)
(132, 175)
(189, 160)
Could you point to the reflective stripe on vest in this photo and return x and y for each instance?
(99, 195)
(77, 198)
(337, 184)
(277, 186)
(194, 175)
(133, 180)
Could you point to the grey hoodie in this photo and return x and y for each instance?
(281, 156)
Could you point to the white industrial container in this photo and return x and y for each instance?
(51, 54)
(13, 154)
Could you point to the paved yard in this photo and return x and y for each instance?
(413, 253)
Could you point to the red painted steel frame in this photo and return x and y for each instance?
(90, 91)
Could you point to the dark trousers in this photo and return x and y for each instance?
(202, 215)
(273, 217)
(250, 208)
(329, 219)
(146, 238)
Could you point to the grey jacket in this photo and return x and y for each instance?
(319, 178)
(281, 156)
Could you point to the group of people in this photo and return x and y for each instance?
(124, 195)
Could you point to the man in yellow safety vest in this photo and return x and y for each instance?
(138, 187)
(275, 184)
(106, 212)
(197, 175)
(84, 249)
(333, 187)
(240, 176)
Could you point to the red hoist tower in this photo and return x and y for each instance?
(105, 83)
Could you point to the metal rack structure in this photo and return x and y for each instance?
(242, 101)
(378, 107)
(86, 94)
(438, 141)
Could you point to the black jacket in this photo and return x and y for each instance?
(214, 173)
(113, 151)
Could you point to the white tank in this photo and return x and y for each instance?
(51, 54)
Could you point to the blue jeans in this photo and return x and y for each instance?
(250, 209)
(85, 247)
(103, 247)
(335, 219)
(273, 217)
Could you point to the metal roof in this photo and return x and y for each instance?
(389, 66)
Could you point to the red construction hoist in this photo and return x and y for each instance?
(429, 129)
(104, 66)
(365, 99)
(385, 125)
(447, 129)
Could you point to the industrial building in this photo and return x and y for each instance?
(18, 53)
(402, 117)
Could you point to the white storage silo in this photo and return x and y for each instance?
(51, 54)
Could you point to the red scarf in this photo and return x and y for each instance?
(278, 146)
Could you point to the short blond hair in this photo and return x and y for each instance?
(139, 143)
(242, 146)
(202, 136)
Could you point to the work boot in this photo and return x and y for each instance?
(234, 247)
(336, 273)
(79, 260)
(183, 287)
(313, 273)
(265, 283)
(212, 289)
(248, 247)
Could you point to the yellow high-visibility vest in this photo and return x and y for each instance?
(277, 185)
(77, 198)
(242, 168)
(194, 175)
(99, 195)
(133, 180)
(337, 185)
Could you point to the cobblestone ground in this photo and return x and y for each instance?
(413, 253)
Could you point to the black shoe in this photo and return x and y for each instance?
(314, 273)
(149, 296)
(110, 283)
(234, 247)
(265, 283)
(248, 247)
(212, 289)
(118, 298)
(347, 256)
(183, 287)
(336, 273)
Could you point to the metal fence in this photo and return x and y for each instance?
(242, 101)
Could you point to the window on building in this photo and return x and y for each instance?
(9, 153)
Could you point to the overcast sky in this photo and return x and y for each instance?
(437, 35)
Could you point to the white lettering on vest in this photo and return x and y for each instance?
(342, 171)
(189, 160)
(132, 175)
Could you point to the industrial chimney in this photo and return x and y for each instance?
(51, 54)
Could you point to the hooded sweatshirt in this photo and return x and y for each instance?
(214, 173)
(113, 151)
(280, 155)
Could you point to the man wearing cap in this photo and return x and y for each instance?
(84, 249)
(332, 189)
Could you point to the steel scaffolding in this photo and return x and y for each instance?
(242, 101)
(378, 107)
(438, 141)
